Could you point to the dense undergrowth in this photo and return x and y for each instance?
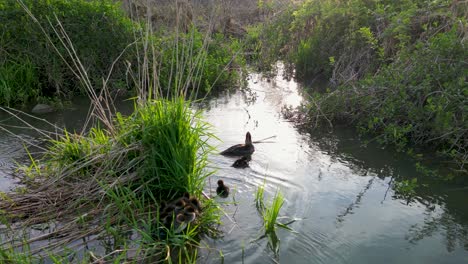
(109, 45)
(397, 69)
(96, 196)
(109, 186)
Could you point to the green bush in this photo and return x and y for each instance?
(419, 100)
(19, 82)
(99, 31)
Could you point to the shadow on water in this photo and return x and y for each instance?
(340, 188)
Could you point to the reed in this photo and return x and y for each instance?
(270, 215)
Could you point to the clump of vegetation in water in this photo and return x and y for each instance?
(108, 186)
(270, 216)
(397, 69)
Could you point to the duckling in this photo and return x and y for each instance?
(242, 163)
(195, 203)
(167, 220)
(222, 190)
(190, 214)
(180, 223)
(179, 205)
(241, 149)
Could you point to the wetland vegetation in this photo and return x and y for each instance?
(395, 70)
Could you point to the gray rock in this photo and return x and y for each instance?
(42, 109)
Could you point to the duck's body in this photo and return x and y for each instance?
(241, 149)
(222, 190)
(242, 162)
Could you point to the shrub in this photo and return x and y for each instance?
(99, 31)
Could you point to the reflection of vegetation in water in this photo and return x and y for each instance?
(341, 217)
(454, 233)
(406, 189)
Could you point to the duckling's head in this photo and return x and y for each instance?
(246, 158)
(180, 218)
(180, 204)
(196, 204)
(189, 217)
(248, 139)
(186, 195)
(220, 183)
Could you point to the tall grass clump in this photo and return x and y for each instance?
(108, 185)
(270, 215)
(174, 148)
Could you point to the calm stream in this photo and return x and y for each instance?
(337, 187)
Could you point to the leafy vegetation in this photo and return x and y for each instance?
(397, 69)
(99, 30)
(19, 82)
(35, 46)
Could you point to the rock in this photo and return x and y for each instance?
(42, 109)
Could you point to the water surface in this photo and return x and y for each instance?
(340, 188)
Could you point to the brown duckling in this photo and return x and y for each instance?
(179, 205)
(195, 203)
(241, 149)
(242, 163)
(168, 219)
(190, 214)
(180, 223)
(222, 190)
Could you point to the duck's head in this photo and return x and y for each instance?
(248, 139)
(220, 183)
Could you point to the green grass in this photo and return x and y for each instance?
(19, 82)
(270, 215)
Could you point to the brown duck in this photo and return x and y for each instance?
(242, 163)
(222, 190)
(241, 149)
